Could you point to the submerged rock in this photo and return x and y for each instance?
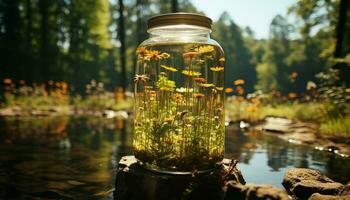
(305, 183)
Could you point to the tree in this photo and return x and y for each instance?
(174, 6)
(121, 34)
(238, 57)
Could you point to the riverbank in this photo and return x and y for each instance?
(305, 133)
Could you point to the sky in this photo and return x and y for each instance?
(257, 14)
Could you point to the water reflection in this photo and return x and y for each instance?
(75, 157)
(264, 158)
(61, 157)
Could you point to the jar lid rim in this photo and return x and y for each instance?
(179, 18)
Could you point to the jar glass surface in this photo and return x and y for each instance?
(179, 100)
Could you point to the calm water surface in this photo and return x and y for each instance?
(76, 157)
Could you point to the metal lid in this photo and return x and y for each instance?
(179, 18)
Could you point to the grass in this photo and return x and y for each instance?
(336, 127)
(296, 111)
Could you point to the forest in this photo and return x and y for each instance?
(79, 41)
(67, 52)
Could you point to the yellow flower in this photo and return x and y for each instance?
(168, 119)
(217, 69)
(171, 69)
(167, 89)
(205, 49)
(181, 90)
(165, 55)
(238, 82)
(219, 88)
(191, 73)
(207, 85)
(177, 97)
(141, 52)
(222, 59)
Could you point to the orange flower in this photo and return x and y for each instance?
(199, 95)
(292, 95)
(240, 90)
(200, 80)
(153, 55)
(22, 82)
(229, 90)
(191, 54)
(238, 82)
(217, 69)
(7, 81)
(141, 52)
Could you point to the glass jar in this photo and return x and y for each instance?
(179, 96)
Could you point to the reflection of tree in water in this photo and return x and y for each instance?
(237, 145)
(281, 154)
(334, 166)
(29, 164)
(48, 130)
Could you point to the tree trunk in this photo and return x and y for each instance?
(121, 34)
(29, 22)
(343, 7)
(43, 6)
(174, 6)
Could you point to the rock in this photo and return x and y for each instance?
(302, 183)
(10, 111)
(253, 192)
(345, 191)
(318, 196)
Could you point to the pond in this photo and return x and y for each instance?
(76, 157)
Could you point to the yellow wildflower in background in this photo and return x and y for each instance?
(222, 59)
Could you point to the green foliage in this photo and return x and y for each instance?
(336, 126)
(334, 93)
(164, 83)
(238, 56)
